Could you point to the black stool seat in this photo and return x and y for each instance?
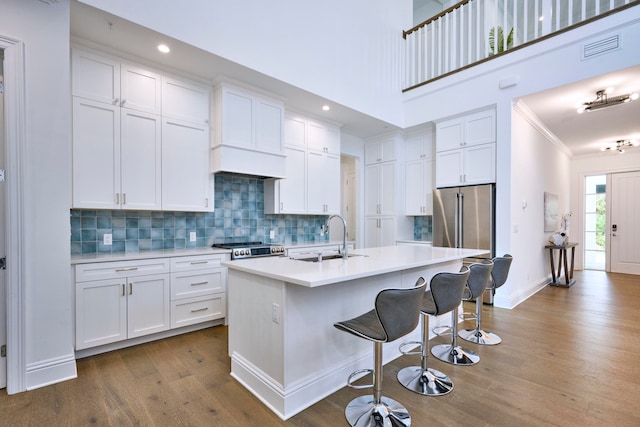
(443, 296)
(396, 314)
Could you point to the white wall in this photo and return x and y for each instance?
(550, 63)
(46, 162)
(349, 52)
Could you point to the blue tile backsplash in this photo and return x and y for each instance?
(238, 217)
(422, 228)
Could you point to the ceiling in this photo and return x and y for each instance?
(586, 133)
(583, 134)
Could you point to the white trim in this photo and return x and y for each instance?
(15, 136)
(51, 371)
(526, 113)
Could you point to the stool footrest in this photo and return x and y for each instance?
(410, 352)
(350, 380)
(442, 331)
(467, 315)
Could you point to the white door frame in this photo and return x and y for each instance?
(15, 137)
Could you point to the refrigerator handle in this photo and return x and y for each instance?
(459, 204)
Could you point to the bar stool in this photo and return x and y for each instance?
(453, 353)
(444, 295)
(499, 273)
(479, 281)
(396, 314)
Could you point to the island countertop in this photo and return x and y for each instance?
(365, 262)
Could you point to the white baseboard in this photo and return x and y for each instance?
(51, 371)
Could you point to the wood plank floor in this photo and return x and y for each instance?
(569, 357)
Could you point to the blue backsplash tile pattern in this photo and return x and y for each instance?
(423, 228)
(238, 217)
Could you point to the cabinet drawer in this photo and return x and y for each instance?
(114, 270)
(198, 283)
(196, 310)
(197, 262)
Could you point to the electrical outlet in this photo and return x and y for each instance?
(192, 236)
(275, 313)
(272, 234)
(107, 239)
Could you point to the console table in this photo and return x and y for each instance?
(556, 277)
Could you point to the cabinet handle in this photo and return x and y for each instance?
(122, 102)
(464, 178)
(130, 288)
(195, 310)
(123, 289)
(124, 198)
(119, 270)
(117, 198)
(115, 101)
(199, 283)
(199, 262)
(206, 202)
(281, 205)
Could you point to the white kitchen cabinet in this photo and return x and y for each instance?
(419, 172)
(186, 179)
(121, 300)
(465, 150)
(471, 129)
(185, 100)
(198, 289)
(312, 183)
(380, 231)
(380, 150)
(116, 157)
(467, 166)
(106, 79)
(380, 182)
(249, 133)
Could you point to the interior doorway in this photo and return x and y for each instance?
(595, 222)
(3, 248)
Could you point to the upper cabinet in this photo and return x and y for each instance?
(465, 149)
(312, 182)
(380, 151)
(249, 133)
(419, 172)
(134, 148)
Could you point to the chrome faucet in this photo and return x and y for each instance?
(344, 250)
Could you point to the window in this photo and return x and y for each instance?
(595, 222)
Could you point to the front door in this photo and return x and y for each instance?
(624, 228)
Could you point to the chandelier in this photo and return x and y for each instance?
(620, 145)
(603, 100)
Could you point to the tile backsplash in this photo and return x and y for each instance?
(238, 217)
(423, 228)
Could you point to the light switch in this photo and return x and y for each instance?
(192, 236)
(107, 239)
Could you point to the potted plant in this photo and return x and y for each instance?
(496, 44)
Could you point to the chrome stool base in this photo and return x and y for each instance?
(364, 412)
(480, 337)
(428, 382)
(455, 355)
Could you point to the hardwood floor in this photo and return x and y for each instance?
(569, 357)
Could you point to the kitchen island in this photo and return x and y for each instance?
(282, 342)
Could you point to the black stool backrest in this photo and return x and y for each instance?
(500, 270)
(399, 309)
(447, 290)
(479, 278)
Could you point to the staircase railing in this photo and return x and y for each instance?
(473, 31)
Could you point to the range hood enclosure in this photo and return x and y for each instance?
(248, 133)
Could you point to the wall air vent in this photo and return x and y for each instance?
(601, 46)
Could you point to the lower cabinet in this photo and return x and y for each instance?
(379, 231)
(116, 301)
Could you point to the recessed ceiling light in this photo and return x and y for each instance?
(325, 108)
(164, 48)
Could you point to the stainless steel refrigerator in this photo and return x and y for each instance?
(464, 217)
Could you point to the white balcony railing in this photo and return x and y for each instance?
(474, 30)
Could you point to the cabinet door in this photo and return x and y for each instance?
(268, 126)
(414, 173)
(293, 188)
(449, 134)
(316, 137)
(449, 168)
(387, 231)
(295, 132)
(427, 181)
(185, 100)
(95, 77)
(480, 128)
(140, 89)
(148, 305)
(331, 181)
(96, 155)
(371, 190)
(141, 160)
(186, 181)
(387, 188)
(101, 312)
(237, 118)
(479, 164)
(315, 185)
(372, 232)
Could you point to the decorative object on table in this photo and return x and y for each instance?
(550, 211)
(558, 239)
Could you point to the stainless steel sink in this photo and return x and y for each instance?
(317, 258)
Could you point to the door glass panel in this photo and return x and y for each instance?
(595, 222)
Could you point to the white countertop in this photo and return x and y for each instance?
(372, 262)
(127, 256)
